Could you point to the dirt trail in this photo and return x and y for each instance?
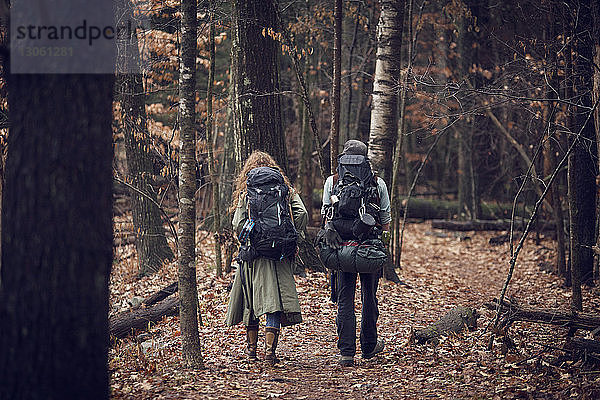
(441, 273)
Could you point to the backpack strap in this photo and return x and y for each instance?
(247, 206)
(290, 208)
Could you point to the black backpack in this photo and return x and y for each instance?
(272, 233)
(357, 194)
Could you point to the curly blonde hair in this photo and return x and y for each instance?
(255, 160)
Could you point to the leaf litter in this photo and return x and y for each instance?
(441, 273)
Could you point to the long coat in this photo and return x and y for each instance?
(265, 286)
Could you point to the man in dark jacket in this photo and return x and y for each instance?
(346, 281)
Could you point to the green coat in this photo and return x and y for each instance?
(255, 287)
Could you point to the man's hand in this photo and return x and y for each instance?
(332, 238)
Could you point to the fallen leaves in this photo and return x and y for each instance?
(442, 273)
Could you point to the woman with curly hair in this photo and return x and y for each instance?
(263, 286)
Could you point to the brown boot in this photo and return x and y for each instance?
(252, 340)
(271, 339)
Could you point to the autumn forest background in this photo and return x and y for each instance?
(481, 116)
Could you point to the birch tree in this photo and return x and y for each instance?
(384, 111)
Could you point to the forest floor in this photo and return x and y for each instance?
(441, 271)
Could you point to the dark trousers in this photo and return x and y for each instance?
(346, 319)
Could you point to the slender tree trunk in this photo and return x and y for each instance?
(212, 171)
(334, 134)
(442, 158)
(401, 139)
(188, 291)
(255, 80)
(465, 145)
(351, 77)
(304, 178)
(567, 93)
(384, 110)
(365, 84)
(467, 185)
(150, 240)
(550, 151)
(549, 166)
(228, 173)
(1, 189)
(582, 167)
(595, 99)
(57, 238)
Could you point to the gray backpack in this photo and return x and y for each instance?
(270, 231)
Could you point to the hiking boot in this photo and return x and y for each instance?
(346, 361)
(378, 349)
(271, 339)
(252, 340)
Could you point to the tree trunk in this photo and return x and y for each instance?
(351, 78)
(2, 149)
(582, 167)
(595, 100)
(187, 188)
(514, 312)
(334, 133)
(555, 200)
(401, 141)
(467, 185)
(384, 109)
(151, 242)
(567, 93)
(228, 173)
(304, 178)
(57, 238)
(550, 152)
(255, 81)
(212, 170)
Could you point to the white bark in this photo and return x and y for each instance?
(384, 112)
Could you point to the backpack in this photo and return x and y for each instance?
(356, 193)
(270, 230)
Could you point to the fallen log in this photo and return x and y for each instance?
(147, 312)
(126, 323)
(442, 209)
(583, 346)
(501, 239)
(427, 208)
(159, 296)
(579, 349)
(454, 321)
(485, 225)
(575, 320)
